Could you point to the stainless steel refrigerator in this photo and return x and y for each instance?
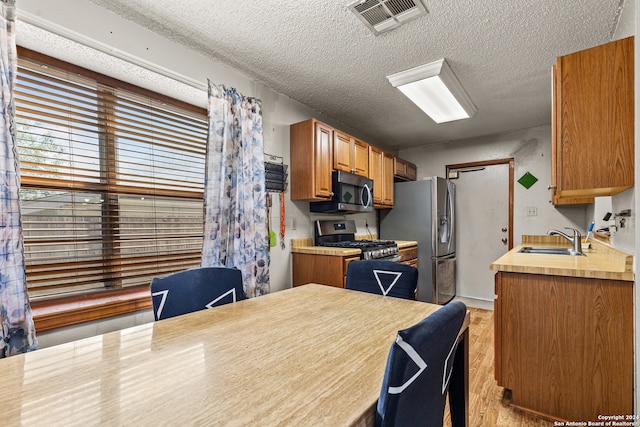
(424, 211)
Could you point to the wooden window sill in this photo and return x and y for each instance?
(57, 312)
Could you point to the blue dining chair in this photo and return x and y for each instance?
(382, 277)
(195, 289)
(418, 370)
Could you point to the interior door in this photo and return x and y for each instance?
(482, 221)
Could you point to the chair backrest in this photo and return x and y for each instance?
(388, 278)
(195, 289)
(418, 370)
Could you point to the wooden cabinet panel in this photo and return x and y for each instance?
(387, 180)
(399, 167)
(381, 172)
(404, 170)
(331, 270)
(409, 254)
(593, 123)
(411, 171)
(497, 331)
(360, 158)
(342, 152)
(324, 269)
(376, 170)
(322, 154)
(311, 149)
(350, 154)
(565, 344)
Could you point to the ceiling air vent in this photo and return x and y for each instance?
(384, 15)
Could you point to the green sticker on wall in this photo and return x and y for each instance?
(527, 180)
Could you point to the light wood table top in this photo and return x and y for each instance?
(309, 356)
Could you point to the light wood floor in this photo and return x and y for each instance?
(486, 408)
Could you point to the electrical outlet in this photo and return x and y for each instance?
(294, 223)
(532, 211)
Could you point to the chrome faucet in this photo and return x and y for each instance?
(576, 240)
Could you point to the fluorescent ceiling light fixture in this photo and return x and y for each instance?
(436, 90)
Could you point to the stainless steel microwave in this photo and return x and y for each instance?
(351, 194)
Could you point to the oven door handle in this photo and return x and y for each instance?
(393, 258)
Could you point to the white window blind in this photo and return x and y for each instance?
(111, 180)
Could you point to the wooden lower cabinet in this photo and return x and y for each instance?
(409, 256)
(564, 345)
(331, 270)
(324, 269)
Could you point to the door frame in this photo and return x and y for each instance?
(504, 161)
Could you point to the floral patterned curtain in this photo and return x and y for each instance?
(235, 226)
(17, 333)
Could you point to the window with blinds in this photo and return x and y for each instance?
(111, 181)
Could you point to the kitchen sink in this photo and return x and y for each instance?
(549, 251)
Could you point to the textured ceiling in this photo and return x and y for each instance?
(320, 54)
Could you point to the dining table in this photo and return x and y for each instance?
(312, 355)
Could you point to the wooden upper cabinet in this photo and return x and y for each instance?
(592, 123)
(342, 152)
(361, 157)
(381, 172)
(350, 154)
(404, 170)
(311, 149)
(376, 174)
(387, 174)
(317, 149)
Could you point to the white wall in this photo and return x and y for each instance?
(531, 150)
(624, 238)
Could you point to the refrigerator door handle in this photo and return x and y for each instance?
(451, 215)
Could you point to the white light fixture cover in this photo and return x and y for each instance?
(436, 90)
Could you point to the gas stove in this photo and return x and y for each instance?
(341, 234)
